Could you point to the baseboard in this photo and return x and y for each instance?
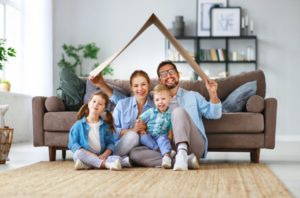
(287, 138)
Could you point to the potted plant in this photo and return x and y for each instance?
(5, 85)
(74, 56)
(5, 53)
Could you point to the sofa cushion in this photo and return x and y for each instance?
(236, 101)
(255, 104)
(241, 122)
(54, 104)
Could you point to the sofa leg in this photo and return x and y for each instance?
(52, 153)
(254, 155)
(63, 153)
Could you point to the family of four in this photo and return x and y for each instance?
(165, 130)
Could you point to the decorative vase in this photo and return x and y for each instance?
(3, 110)
(178, 26)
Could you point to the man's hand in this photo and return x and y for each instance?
(212, 87)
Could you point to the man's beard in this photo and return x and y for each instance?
(173, 85)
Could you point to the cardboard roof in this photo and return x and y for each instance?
(154, 20)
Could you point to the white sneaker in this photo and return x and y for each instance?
(166, 162)
(193, 162)
(79, 165)
(181, 161)
(115, 165)
(125, 162)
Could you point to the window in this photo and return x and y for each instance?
(10, 26)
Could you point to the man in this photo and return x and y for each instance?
(187, 107)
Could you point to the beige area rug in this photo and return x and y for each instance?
(59, 179)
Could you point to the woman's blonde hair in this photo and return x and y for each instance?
(108, 118)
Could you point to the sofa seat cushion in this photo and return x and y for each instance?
(242, 122)
(59, 121)
(56, 139)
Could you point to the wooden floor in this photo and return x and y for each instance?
(284, 160)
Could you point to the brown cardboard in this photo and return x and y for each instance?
(154, 20)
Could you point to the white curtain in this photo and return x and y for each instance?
(37, 75)
(28, 29)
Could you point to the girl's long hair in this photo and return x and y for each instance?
(107, 117)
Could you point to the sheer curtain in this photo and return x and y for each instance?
(38, 45)
(28, 28)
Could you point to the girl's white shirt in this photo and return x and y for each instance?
(93, 137)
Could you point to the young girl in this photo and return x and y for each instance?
(91, 137)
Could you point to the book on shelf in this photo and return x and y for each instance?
(221, 54)
(212, 54)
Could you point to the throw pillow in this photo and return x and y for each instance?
(54, 104)
(255, 104)
(71, 89)
(236, 101)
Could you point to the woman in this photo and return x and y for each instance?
(128, 110)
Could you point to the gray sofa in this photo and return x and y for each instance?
(246, 131)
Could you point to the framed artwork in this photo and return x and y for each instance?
(225, 21)
(203, 14)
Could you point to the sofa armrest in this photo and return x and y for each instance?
(270, 114)
(38, 111)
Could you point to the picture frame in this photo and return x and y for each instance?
(225, 21)
(203, 14)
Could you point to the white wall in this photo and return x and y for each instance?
(112, 23)
(19, 115)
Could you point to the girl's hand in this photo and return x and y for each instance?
(105, 154)
(103, 157)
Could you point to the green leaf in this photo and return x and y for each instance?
(74, 56)
(5, 53)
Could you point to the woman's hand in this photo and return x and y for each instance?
(97, 80)
(140, 126)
